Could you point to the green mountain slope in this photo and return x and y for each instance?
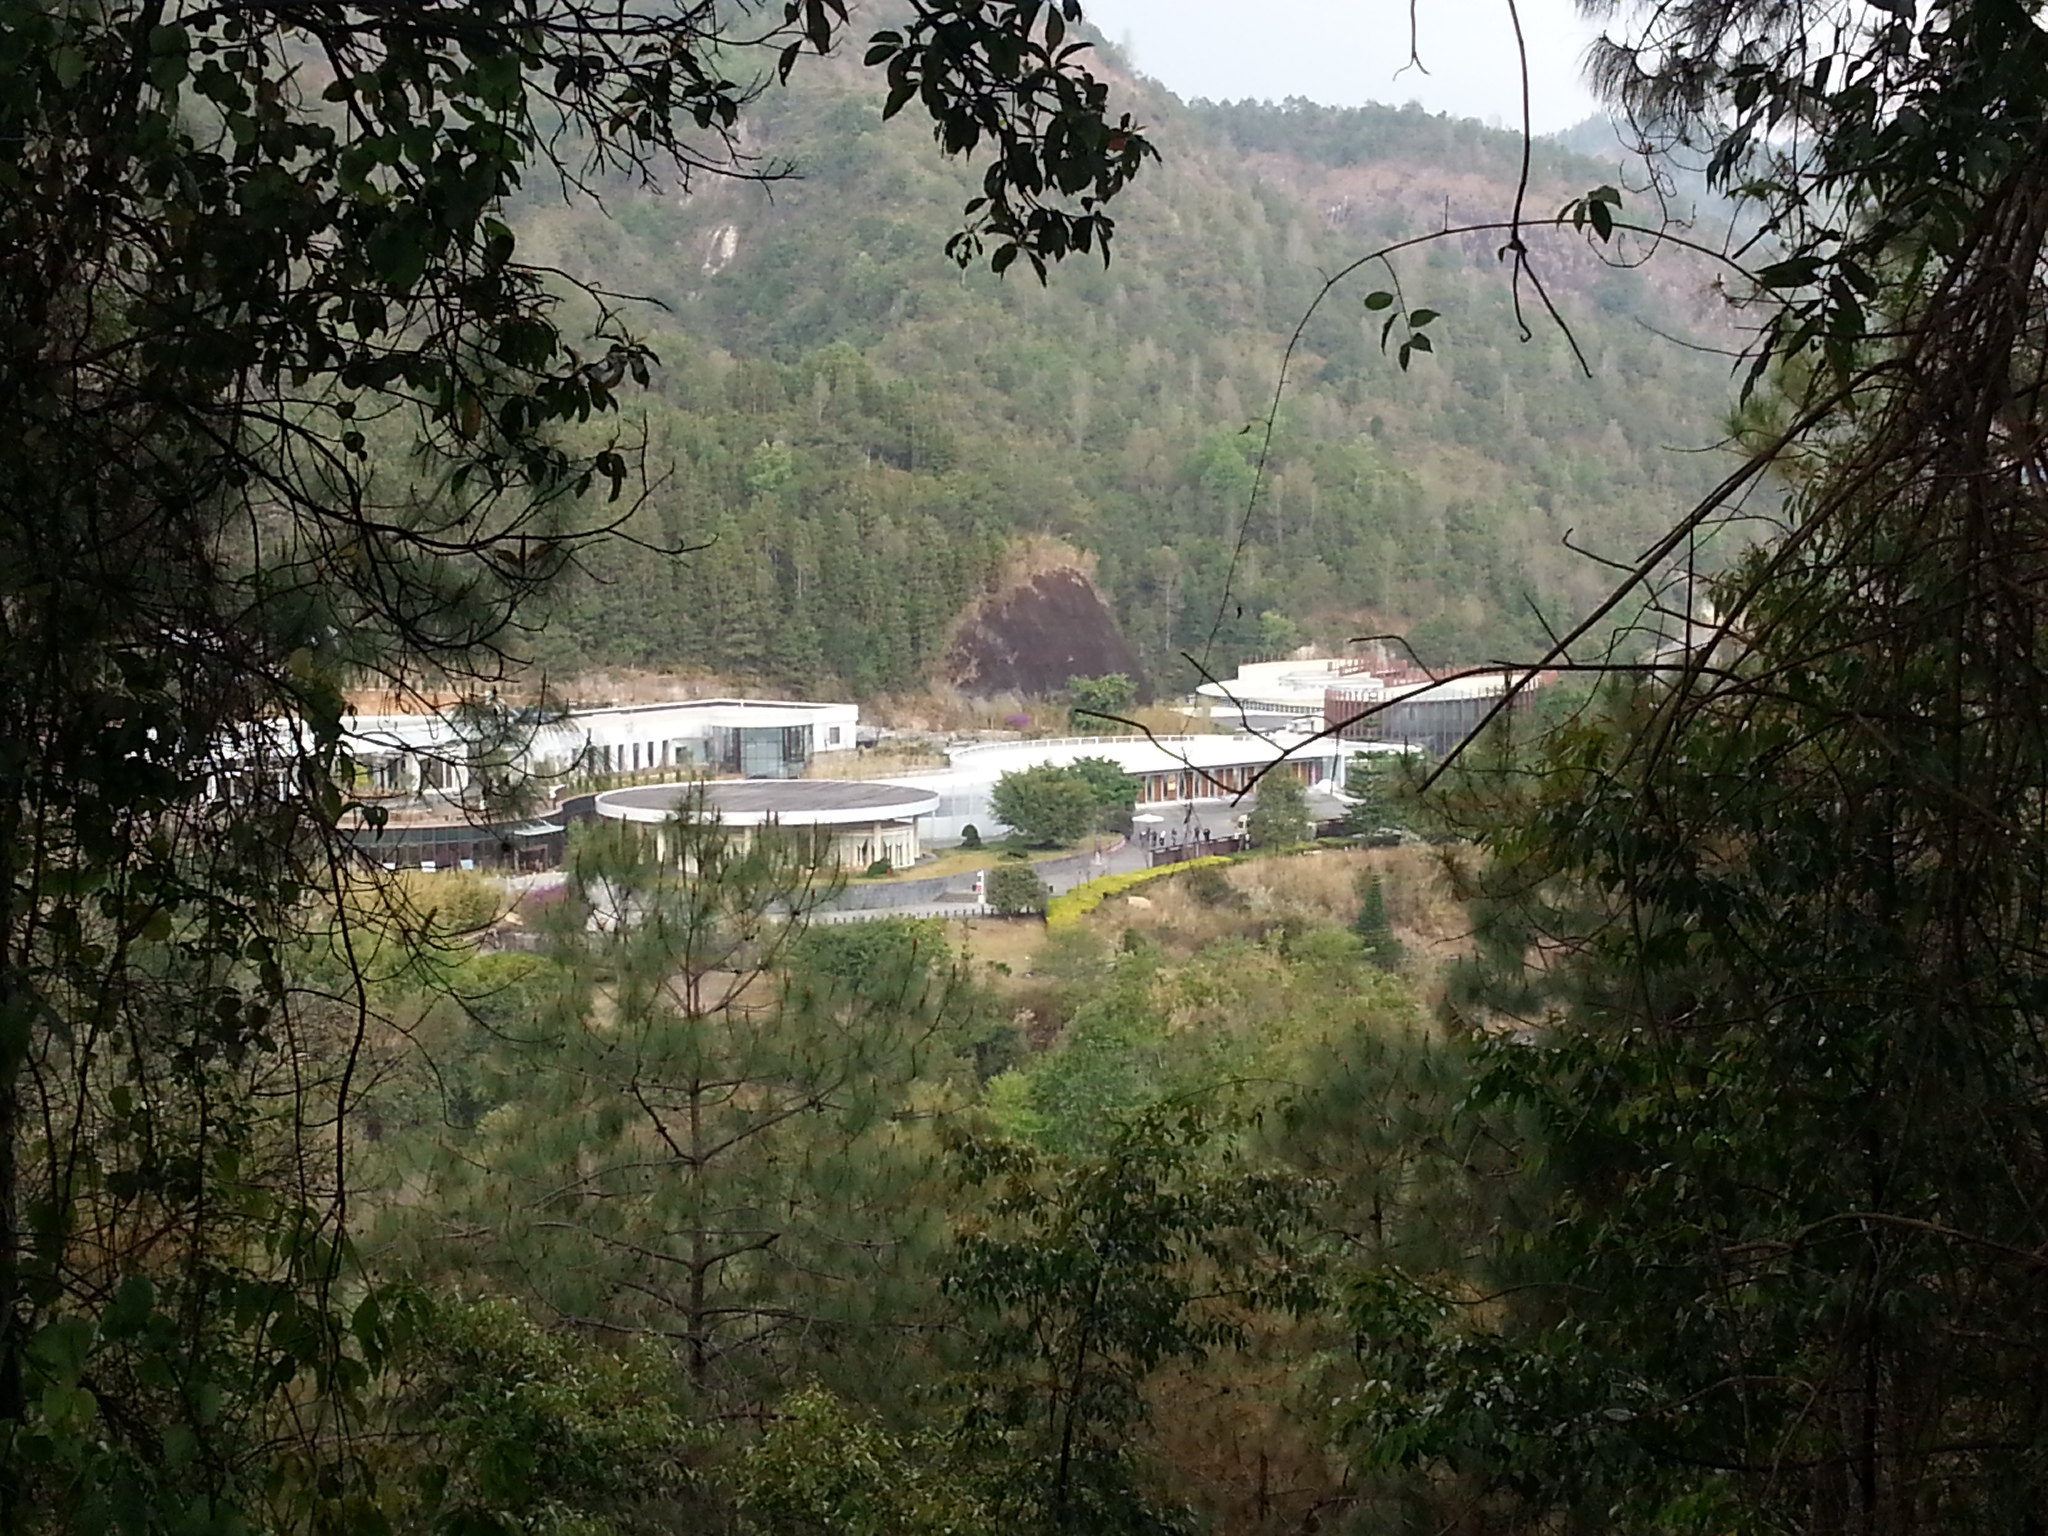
(858, 430)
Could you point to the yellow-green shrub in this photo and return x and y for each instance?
(1083, 899)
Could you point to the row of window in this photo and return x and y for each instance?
(1213, 783)
(778, 752)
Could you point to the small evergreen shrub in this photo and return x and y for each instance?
(1208, 886)
(1015, 890)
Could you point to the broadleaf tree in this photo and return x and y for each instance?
(289, 413)
(1046, 805)
(1279, 814)
(1759, 981)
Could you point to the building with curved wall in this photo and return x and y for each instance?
(1368, 700)
(1170, 770)
(865, 822)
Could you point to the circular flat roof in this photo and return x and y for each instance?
(791, 802)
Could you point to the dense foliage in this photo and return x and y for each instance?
(1052, 804)
(1714, 1201)
(1014, 889)
(803, 1234)
(1761, 967)
(293, 409)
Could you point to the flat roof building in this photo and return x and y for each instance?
(865, 822)
(1170, 770)
(439, 773)
(446, 752)
(1367, 700)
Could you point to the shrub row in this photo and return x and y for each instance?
(1083, 899)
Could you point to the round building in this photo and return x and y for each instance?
(866, 822)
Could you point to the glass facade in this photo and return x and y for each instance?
(760, 751)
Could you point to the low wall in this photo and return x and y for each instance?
(871, 897)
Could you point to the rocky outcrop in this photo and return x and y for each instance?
(1034, 631)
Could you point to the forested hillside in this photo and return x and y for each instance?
(1661, 1151)
(857, 429)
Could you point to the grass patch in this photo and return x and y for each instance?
(1302, 891)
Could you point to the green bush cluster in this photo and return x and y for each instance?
(1015, 889)
(1064, 911)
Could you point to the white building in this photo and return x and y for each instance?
(445, 752)
(865, 822)
(1170, 770)
(1368, 701)
(1265, 691)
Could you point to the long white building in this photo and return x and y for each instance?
(1170, 770)
(667, 747)
(1266, 689)
(744, 738)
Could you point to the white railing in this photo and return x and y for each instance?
(1064, 741)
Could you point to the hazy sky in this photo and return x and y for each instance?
(1343, 52)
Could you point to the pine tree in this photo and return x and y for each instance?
(702, 1144)
(1374, 928)
(1279, 817)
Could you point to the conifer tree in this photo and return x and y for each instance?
(1374, 928)
(703, 1146)
(1279, 817)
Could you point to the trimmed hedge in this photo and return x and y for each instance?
(1083, 899)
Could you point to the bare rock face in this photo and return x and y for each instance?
(1035, 632)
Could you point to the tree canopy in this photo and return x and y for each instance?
(1714, 1203)
(1759, 929)
(1279, 813)
(292, 412)
(1046, 805)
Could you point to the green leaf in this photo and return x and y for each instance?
(1794, 272)
(70, 1408)
(129, 1312)
(60, 1347)
(398, 254)
(1379, 300)
(169, 56)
